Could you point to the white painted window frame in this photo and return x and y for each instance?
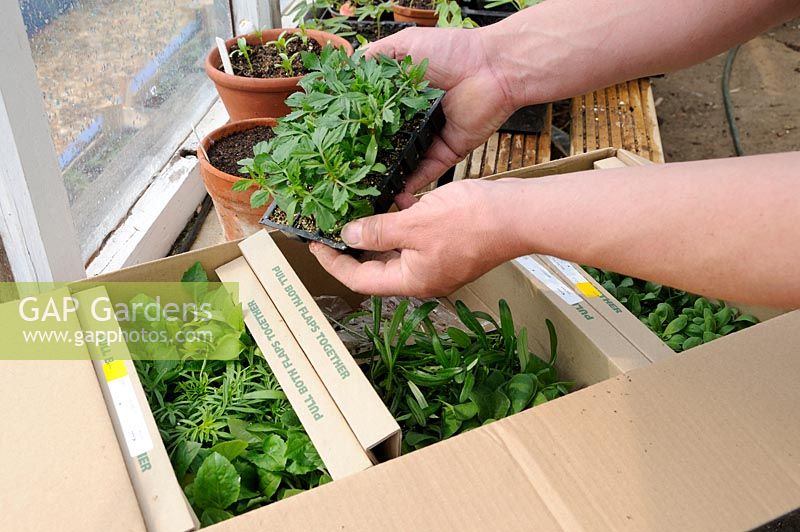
(36, 224)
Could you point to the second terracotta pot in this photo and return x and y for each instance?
(246, 98)
(422, 17)
(237, 217)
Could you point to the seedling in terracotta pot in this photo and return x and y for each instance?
(261, 78)
(357, 131)
(421, 12)
(242, 50)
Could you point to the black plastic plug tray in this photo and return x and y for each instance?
(389, 183)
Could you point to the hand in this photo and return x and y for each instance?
(447, 239)
(477, 100)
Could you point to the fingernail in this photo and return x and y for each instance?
(313, 247)
(351, 233)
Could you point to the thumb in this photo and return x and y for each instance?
(383, 232)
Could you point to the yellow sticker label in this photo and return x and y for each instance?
(586, 288)
(115, 369)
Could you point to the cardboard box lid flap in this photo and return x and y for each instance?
(62, 467)
(704, 440)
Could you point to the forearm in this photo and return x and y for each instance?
(561, 48)
(725, 228)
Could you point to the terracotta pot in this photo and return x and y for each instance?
(260, 97)
(235, 215)
(422, 17)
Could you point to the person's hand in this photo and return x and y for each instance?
(477, 100)
(447, 239)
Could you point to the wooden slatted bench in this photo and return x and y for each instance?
(507, 151)
(621, 116)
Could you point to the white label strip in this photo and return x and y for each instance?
(223, 54)
(567, 269)
(131, 419)
(569, 296)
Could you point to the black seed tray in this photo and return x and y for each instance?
(485, 17)
(389, 183)
(528, 119)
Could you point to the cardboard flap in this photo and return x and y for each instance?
(324, 423)
(364, 411)
(707, 440)
(62, 466)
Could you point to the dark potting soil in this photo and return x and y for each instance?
(225, 154)
(417, 4)
(369, 29)
(266, 61)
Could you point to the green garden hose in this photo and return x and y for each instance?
(726, 100)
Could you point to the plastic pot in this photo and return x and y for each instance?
(246, 98)
(235, 215)
(421, 17)
(391, 182)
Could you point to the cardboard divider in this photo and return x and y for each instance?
(163, 504)
(336, 444)
(590, 350)
(612, 310)
(368, 417)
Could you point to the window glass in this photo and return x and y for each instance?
(122, 81)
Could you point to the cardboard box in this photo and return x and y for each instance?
(706, 440)
(580, 357)
(61, 464)
(703, 441)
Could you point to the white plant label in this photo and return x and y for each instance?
(223, 53)
(575, 277)
(569, 296)
(129, 413)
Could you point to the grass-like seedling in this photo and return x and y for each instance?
(243, 50)
(234, 441)
(519, 5)
(439, 385)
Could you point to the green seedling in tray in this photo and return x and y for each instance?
(233, 438)
(236, 443)
(439, 385)
(682, 320)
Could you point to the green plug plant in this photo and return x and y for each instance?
(234, 441)
(682, 320)
(449, 13)
(323, 162)
(437, 386)
(243, 50)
